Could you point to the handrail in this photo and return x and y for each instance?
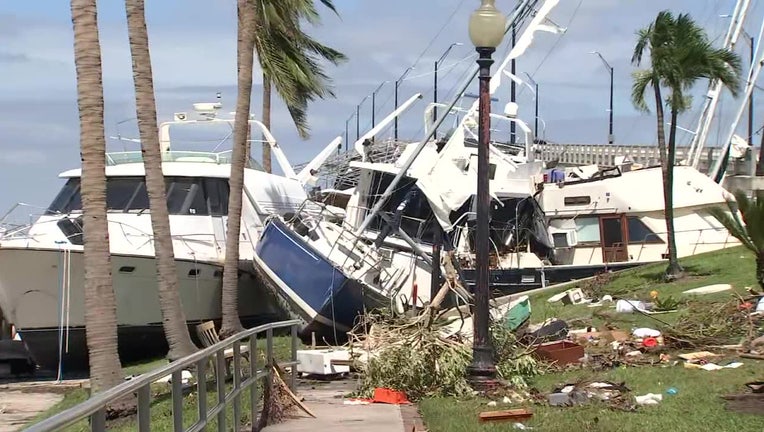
(95, 407)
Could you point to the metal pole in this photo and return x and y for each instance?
(536, 123)
(373, 109)
(347, 136)
(435, 97)
(513, 91)
(395, 134)
(751, 157)
(357, 121)
(610, 136)
(435, 273)
(482, 371)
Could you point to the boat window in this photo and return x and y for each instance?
(640, 233)
(68, 199)
(185, 196)
(588, 229)
(577, 200)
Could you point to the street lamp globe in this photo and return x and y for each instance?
(487, 25)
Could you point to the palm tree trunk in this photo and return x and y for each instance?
(173, 317)
(667, 173)
(100, 302)
(267, 122)
(674, 270)
(246, 47)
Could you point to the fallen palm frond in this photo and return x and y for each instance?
(703, 324)
(415, 356)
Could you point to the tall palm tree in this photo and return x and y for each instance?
(750, 230)
(279, 24)
(680, 55)
(100, 302)
(173, 317)
(245, 59)
(290, 60)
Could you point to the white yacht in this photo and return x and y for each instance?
(41, 264)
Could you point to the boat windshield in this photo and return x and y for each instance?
(200, 196)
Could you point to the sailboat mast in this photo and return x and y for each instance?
(714, 88)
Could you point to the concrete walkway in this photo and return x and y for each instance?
(326, 401)
(21, 402)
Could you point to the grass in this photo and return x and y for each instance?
(697, 405)
(161, 406)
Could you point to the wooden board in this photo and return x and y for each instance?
(520, 414)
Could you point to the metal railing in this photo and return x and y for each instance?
(94, 408)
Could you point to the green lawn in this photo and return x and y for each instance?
(161, 407)
(696, 406)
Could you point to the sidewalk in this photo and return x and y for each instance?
(325, 400)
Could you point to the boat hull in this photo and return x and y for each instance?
(33, 296)
(314, 288)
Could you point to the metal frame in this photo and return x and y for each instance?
(95, 408)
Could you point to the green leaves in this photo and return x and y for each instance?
(749, 229)
(680, 55)
(292, 59)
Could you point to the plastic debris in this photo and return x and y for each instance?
(649, 399)
(672, 391)
(628, 306)
(492, 403)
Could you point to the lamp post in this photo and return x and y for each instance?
(374, 104)
(397, 84)
(486, 30)
(435, 83)
(610, 137)
(358, 118)
(536, 99)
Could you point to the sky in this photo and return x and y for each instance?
(193, 47)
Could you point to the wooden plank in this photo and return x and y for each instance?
(339, 362)
(519, 414)
(278, 374)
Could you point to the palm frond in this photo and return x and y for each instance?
(730, 220)
(291, 58)
(642, 80)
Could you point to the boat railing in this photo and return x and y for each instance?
(652, 237)
(223, 157)
(190, 241)
(311, 212)
(229, 398)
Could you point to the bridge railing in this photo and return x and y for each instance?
(94, 408)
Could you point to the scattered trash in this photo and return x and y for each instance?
(581, 393)
(552, 329)
(672, 391)
(699, 355)
(709, 289)
(574, 296)
(756, 386)
(712, 366)
(492, 403)
(649, 399)
(388, 396)
(521, 426)
(644, 332)
(356, 402)
(629, 306)
(560, 352)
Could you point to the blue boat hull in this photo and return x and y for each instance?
(313, 287)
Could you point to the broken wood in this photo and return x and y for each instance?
(519, 414)
(752, 356)
(339, 362)
(277, 372)
(748, 403)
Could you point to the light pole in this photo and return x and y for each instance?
(374, 104)
(397, 84)
(610, 137)
(358, 118)
(536, 99)
(486, 30)
(435, 83)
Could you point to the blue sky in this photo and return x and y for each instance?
(193, 46)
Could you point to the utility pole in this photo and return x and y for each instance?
(513, 91)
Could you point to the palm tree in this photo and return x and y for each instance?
(100, 302)
(750, 230)
(680, 55)
(173, 317)
(279, 24)
(288, 58)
